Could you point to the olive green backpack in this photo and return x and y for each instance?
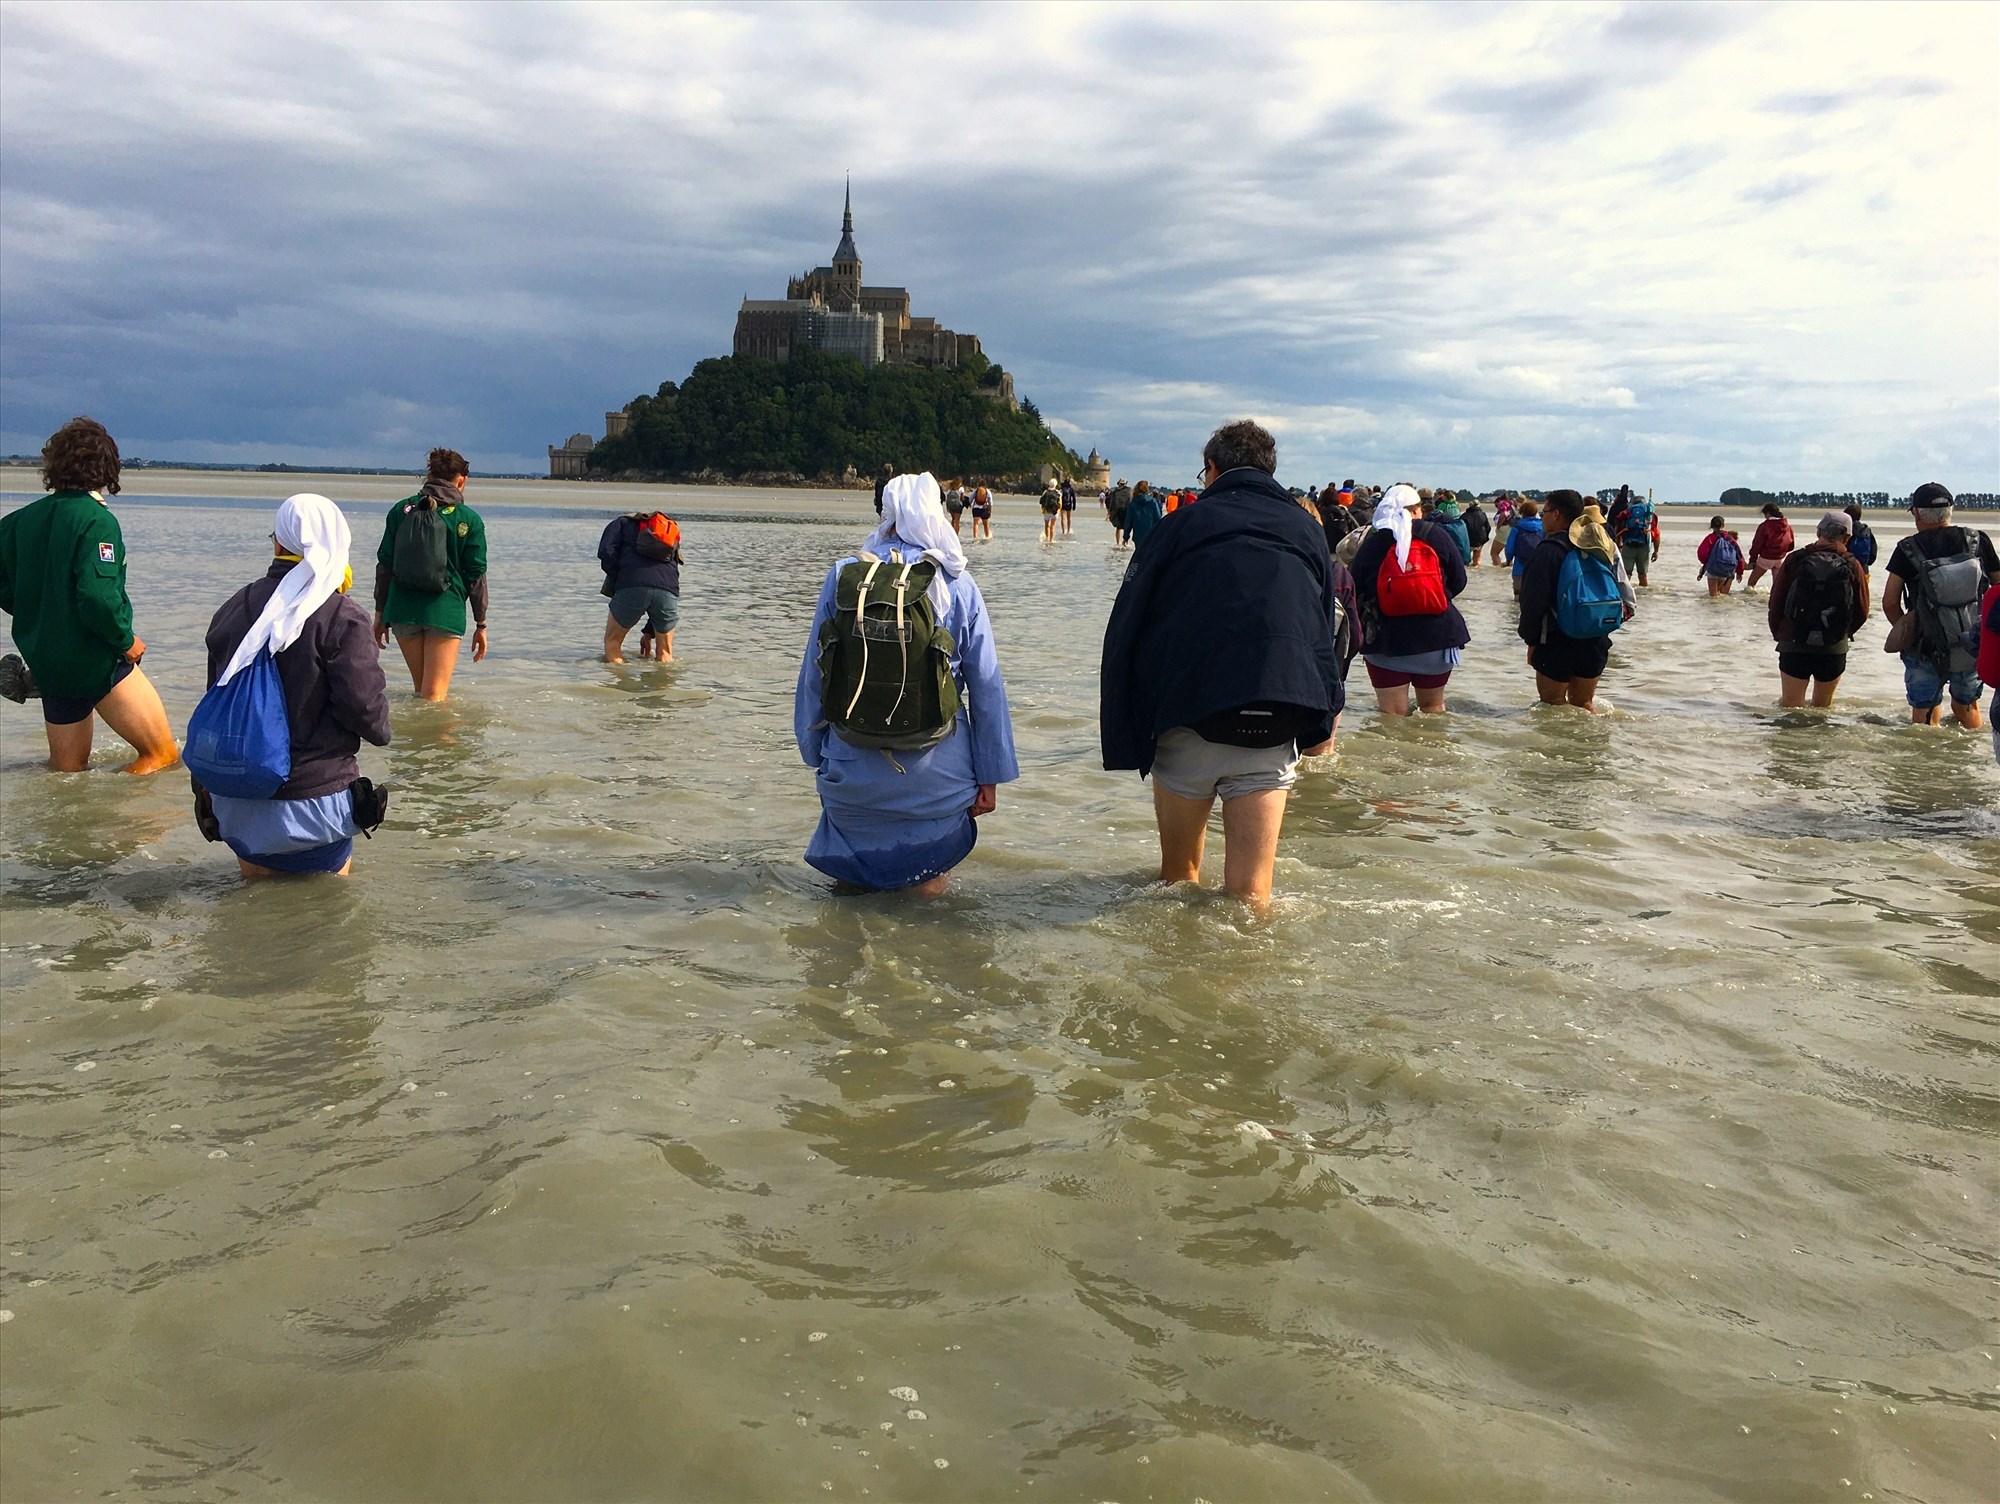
(884, 662)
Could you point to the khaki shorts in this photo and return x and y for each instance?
(1195, 768)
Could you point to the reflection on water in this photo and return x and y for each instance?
(1602, 1096)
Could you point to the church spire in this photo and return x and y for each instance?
(845, 251)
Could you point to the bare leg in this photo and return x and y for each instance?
(1822, 694)
(1791, 692)
(1583, 694)
(253, 872)
(1250, 825)
(1430, 701)
(440, 658)
(1183, 832)
(614, 640)
(663, 647)
(1394, 701)
(1966, 715)
(1921, 715)
(69, 746)
(134, 711)
(413, 658)
(1756, 574)
(1551, 691)
(932, 887)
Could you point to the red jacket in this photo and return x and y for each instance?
(1773, 539)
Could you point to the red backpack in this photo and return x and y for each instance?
(1414, 591)
(659, 537)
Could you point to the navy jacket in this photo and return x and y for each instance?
(334, 692)
(1229, 603)
(1400, 636)
(618, 556)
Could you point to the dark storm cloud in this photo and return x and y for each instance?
(355, 232)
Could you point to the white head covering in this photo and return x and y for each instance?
(313, 528)
(1393, 512)
(913, 516)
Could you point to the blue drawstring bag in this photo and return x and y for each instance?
(239, 740)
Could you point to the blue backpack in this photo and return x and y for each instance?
(1725, 558)
(1587, 600)
(1637, 523)
(239, 740)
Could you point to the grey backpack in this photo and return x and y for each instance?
(1945, 596)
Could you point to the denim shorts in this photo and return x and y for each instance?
(1924, 684)
(661, 608)
(1195, 768)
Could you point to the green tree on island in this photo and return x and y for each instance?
(816, 414)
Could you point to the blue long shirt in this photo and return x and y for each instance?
(943, 780)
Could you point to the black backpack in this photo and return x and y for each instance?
(1821, 602)
(421, 558)
(1478, 528)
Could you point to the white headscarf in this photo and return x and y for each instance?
(1393, 512)
(913, 516)
(313, 528)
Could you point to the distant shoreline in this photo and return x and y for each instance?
(605, 498)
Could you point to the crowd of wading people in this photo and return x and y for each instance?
(1225, 659)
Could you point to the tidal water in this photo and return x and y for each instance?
(1608, 1107)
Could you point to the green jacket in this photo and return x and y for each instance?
(465, 559)
(62, 579)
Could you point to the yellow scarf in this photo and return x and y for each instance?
(346, 583)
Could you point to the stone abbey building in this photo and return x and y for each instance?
(829, 308)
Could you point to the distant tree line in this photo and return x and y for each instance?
(1745, 496)
(817, 414)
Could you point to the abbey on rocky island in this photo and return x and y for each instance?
(829, 308)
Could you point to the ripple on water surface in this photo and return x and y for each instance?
(1604, 1103)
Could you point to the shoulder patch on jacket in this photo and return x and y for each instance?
(106, 554)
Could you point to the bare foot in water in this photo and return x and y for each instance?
(153, 762)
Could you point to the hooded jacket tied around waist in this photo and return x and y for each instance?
(335, 696)
(1229, 603)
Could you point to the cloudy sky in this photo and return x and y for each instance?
(1689, 246)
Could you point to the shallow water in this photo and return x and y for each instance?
(1606, 1106)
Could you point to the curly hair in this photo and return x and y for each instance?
(1241, 445)
(81, 456)
(446, 464)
